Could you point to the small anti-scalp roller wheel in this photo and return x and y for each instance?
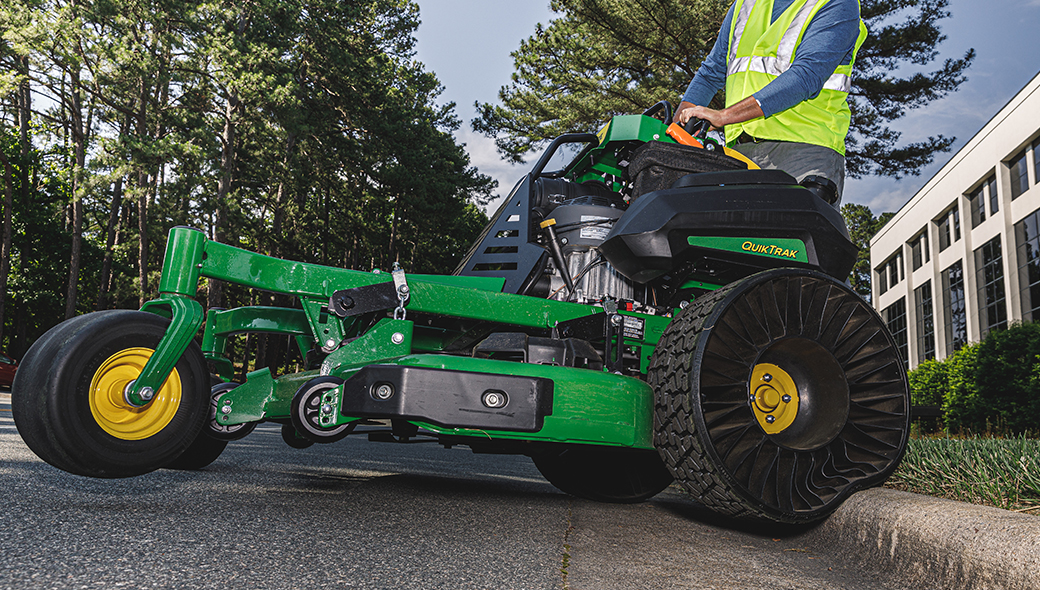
(778, 396)
(218, 400)
(314, 407)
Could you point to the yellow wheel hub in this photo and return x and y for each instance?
(114, 413)
(774, 398)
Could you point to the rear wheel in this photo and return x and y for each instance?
(604, 474)
(69, 401)
(778, 396)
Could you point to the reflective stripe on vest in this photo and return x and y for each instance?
(823, 120)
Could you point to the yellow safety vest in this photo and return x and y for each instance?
(759, 51)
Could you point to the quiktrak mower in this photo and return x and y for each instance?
(654, 311)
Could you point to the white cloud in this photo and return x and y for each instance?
(485, 157)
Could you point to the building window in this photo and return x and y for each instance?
(977, 204)
(991, 188)
(925, 322)
(893, 269)
(949, 227)
(919, 250)
(1027, 240)
(954, 318)
(1036, 161)
(1019, 177)
(989, 276)
(890, 273)
(895, 319)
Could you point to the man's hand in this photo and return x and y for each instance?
(744, 110)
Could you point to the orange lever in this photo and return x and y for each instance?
(681, 136)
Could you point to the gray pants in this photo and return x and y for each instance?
(799, 160)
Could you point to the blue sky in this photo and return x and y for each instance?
(467, 44)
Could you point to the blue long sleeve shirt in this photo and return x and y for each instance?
(829, 42)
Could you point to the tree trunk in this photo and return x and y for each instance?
(24, 118)
(110, 242)
(142, 197)
(5, 246)
(79, 139)
(227, 165)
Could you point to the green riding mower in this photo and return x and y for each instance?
(651, 312)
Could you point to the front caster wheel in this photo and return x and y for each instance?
(604, 474)
(779, 396)
(69, 403)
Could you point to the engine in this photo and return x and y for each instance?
(582, 223)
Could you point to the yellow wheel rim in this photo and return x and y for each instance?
(774, 397)
(108, 403)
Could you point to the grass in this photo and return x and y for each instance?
(1000, 472)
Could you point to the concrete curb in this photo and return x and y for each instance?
(933, 543)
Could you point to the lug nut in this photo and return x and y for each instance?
(767, 377)
(786, 398)
(770, 419)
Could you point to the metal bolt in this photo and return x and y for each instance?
(226, 409)
(146, 393)
(684, 304)
(770, 419)
(786, 398)
(384, 391)
(403, 289)
(493, 399)
(767, 377)
(330, 343)
(397, 338)
(326, 409)
(616, 319)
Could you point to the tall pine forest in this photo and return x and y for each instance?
(301, 130)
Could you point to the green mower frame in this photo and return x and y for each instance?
(775, 395)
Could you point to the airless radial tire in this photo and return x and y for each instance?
(778, 396)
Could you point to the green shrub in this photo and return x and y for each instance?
(1006, 378)
(928, 383)
(991, 386)
(960, 404)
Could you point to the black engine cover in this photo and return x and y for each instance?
(651, 239)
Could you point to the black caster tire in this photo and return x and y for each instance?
(68, 404)
(220, 431)
(604, 474)
(201, 453)
(778, 396)
(306, 412)
(293, 438)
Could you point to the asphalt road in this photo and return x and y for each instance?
(356, 514)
